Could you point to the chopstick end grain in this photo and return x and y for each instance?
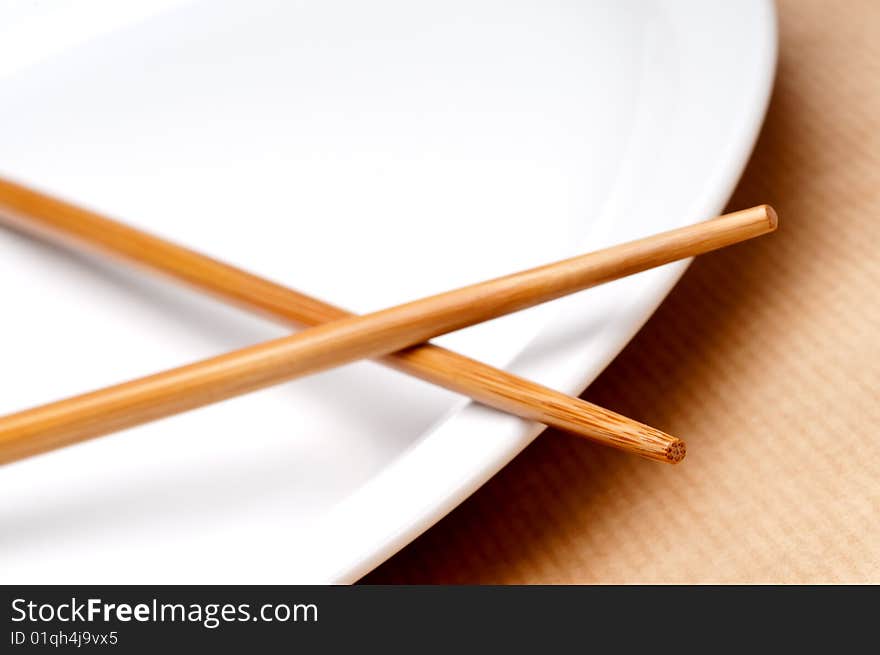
(676, 451)
(772, 217)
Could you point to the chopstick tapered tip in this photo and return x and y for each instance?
(676, 451)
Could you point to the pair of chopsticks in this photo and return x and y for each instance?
(339, 337)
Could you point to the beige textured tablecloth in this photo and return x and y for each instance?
(766, 358)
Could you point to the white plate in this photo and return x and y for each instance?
(368, 153)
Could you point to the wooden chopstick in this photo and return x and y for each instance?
(90, 415)
(73, 226)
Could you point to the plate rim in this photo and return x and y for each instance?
(371, 552)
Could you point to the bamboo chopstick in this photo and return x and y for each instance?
(70, 225)
(68, 421)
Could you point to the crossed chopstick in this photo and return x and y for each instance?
(338, 337)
